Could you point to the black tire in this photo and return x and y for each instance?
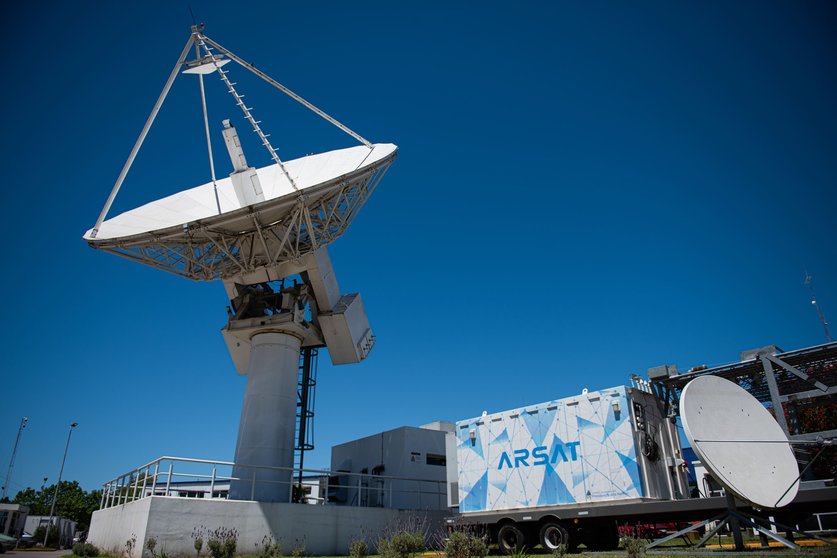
(510, 539)
(553, 535)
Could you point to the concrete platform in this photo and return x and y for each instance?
(321, 529)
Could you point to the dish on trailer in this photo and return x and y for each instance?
(739, 442)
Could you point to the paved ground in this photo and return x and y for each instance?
(38, 553)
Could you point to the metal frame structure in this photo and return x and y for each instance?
(780, 379)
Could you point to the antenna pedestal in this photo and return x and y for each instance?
(268, 415)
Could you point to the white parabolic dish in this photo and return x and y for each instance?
(185, 234)
(739, 442)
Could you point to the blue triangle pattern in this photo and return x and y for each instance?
(553, 490)
(633, 471)
(584, 424)
(609, 428)
(502, 436)
(475, 500)
(500, 484)
(538, 424)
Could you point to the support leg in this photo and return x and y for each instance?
(683, 532)
(791, 530)
(747, 520)
(724, 520)
(734, 526)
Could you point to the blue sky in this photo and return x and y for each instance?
(584, 190)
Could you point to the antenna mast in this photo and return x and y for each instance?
(23, 423)
(824, 322)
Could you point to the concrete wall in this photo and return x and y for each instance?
(322, 530)
(111, 528)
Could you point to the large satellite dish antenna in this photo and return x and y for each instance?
(744, 449)
(252, 230)
(255, 219)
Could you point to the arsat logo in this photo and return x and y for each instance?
(539, 456)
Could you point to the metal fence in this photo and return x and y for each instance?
(200, 478)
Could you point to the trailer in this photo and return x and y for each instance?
(570, 471)
(551, 473)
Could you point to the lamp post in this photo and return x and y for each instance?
(58, 485)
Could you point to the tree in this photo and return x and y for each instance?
(74, 502)
(36, 501)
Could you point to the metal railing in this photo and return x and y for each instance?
(200, 478)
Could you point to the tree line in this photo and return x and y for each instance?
(74, 502)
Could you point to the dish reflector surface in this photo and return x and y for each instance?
(739, 442)
(199, 202)
(185, 234)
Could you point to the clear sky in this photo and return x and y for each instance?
(584, 190)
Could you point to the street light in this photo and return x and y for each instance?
(58, 485)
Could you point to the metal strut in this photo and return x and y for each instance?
(288, 92)
(200, 40)
(206, 130)
(141, 137)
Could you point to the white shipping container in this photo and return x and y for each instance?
(613, 444)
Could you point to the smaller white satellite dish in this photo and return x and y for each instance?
(205, 65)
(739, 442)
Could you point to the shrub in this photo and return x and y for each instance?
(52, 540)
(151, 545)
(85, 549)
(270, 548)
(197, 538)
(465, 545)
(403, 544)
(633, 546)
(130, 544)
(222, 542)
(358, 548)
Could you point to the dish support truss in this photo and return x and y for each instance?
(277, 231)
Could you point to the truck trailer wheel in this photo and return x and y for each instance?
(603, 537)
(510, 539)
(553, 535)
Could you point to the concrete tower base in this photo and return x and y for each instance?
(268, 419)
